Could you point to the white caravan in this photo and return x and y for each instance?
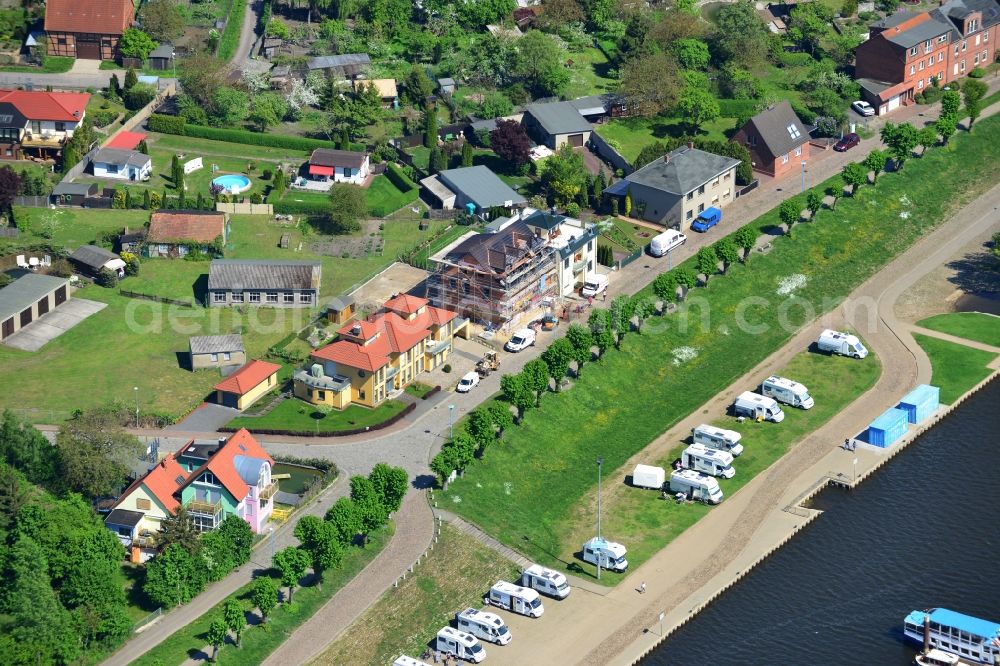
(700, 458)
(787, 391)
(481, 624)
(647, 476)
(460, 644)
(515, 598)
(403, 660)
(607, 554)
(835, 342)
(757, 407)
(718, 438)
(548, 582)
(696, 486)
(663, 243)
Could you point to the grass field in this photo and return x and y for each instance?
(194, 147)
(456, 575)
(260, 641)
(634, 134)
(384, 197)
(527, 492)
(588, 74)
(976, 326)
(53, 65)
(294, 414)
(954, 368)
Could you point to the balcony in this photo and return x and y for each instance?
(44, 140)
(268, 491)
(580, 265)
(197, 507)
(438, 347)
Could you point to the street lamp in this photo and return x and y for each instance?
(803, 176)
(270, 531)
(600, 462)
(451, 421)
(855, 472)
(136, 390)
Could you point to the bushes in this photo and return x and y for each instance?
(301, 207)
(737, 108)
(256, 138)
(398, 178)
(977, 73)
(166, 124)
(104, 117)
(139, 96)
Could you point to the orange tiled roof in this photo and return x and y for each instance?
(368, 329)
(42, 105)
(162, 482)
(106, 17)
(248, 377)
(406, 303)
(165, 226)
(396, 335)
(223, 467)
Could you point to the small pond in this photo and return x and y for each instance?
(300, 476)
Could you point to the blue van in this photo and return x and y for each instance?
(708, 219)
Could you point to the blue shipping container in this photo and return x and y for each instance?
(920, 403)
(886, 429)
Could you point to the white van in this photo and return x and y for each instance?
(607, 554)
(460, 644)
(647, 476)
(835, 342)
(515, 598)
(403, 660)
(787, 391)
(546, 581)
(700, 458)
(696, 486)
(487, 626)
(668, 240)
(755, 406)
(520, 340)
(594, 284)
(718, 438)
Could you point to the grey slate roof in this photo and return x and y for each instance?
(337, 158)
(954, 11)
(918, 34)
(347, 60)
(773, 126)
(119, 156)
(436, 187)
(895, 19)
(593, 105)
(216, 344)
(78, 189)
(686, 170)
(495, 252)
(873, 86)
(25, 291)
(252, 274)
(124, 517)
(558, 118)
(165, 51)
(480, 185)
(92, 256)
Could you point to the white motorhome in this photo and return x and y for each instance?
(757, 407)
(648, 476)
(460, 644)
(607, 554)
(696, 486)
(481, 624)
(718, 438)
(668, 240)
(515, 598)
(700, 458)
(548, 582)
(787, 391)
(835, 342)
(403, 660)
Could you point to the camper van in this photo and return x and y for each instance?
(835, 342)
(757, 407)
(696, 486)
(647, 476)
(700, 458)
(481, 624)
(663, 243)
(403, 660)
(606, 554)
(548, 582)
(594, 285)
(460, 644)
(787, 391)
(515, 598)
(718, 438)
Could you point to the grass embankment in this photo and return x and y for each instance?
(296, 415)
(954, 368)
(53, 65)
(260, 641)
(454, 576)
(528, 490)
(976, 326)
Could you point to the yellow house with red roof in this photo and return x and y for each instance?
(375, 357)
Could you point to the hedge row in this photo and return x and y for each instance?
(398, 178)
(736, 108)
(158, 122)
(177, 125)
(301, 208)
(337, 433)
(230, 39)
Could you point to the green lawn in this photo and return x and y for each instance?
(589, 74)
(421, 156)
(976, 326)
(194, 147)
(532, 492)
(72, 227)
(418, 389)
(294, 414)
(53, 65)
(454, 576)
(261, 640)
(385, 198)
(954, 368)
(634, 134)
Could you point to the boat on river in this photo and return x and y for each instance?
(970, 638)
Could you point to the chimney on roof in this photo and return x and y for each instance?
(356, 329)
(222, 441)
(163, 463)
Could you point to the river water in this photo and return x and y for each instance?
(923, 531)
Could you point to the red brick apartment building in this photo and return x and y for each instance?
(907, 51)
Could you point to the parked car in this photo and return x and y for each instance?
(848, 142)
(468, 382)
(863, 108)
(665, 242)
(707, 220)
(520, 340)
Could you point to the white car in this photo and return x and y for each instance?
(863, 108)
(520, 340)
(468, 382)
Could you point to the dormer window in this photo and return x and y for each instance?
(973, 25)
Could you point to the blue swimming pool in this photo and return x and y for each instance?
(233, 183)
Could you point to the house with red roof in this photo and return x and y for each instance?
(245, 386)
(327, 166)
(38, 122)
(378, 356)
(175, 233)
(88, 29)
(210, 479)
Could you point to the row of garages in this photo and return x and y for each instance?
(27, 299)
